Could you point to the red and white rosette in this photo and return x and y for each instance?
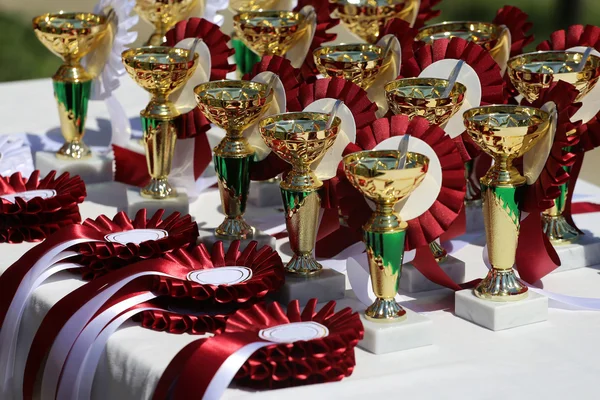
(426, 12)
(266, 347)
(33, 208)
(405, 34)
(519, 26)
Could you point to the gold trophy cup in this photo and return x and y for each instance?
(532, 72)
(300, 139)
(163, 15)
(375, 174)
(357, 63)
(365, 18)
(269, 32)
(505, 132)
(233, 106)
(160, 71)
(71, 36)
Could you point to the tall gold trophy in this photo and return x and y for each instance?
(301, 139)
(376, 175)
(365, 18)
(357, 63)
(163, 15)
(71, 36)
(233, 106)
(505, 132)
(424, 97)
(160, 71)
(530, 73)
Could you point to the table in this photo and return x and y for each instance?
(550, 360)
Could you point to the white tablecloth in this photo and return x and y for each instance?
(551, 360)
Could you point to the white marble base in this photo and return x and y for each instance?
(207, 236)
(95, 169)
(498, 316)
(328, 285)
(380, 337)
(474, 214)
(136, 202)
(584, 253)
(265, 194)
(412, 281)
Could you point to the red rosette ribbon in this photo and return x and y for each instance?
(426, 12)
(100, 257)
(264, 362)
(405, 34)
(536, 256)
(518, 24)
(55, 204)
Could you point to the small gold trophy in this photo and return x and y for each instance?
(270, 32)
(532, 72)
(160, 71)
(494, 38)
(163, 14)
(233, 106)
(365, 18)
(375, 173)
(505, 132)
(301, 139)
(71, 36)
(357, 63)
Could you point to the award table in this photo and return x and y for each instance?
(552, 359)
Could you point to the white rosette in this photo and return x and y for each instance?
(15, 156)
(535, 159)
(299, 51)
(376, 91)
(209, 10)
(468, 77)
(590, 104)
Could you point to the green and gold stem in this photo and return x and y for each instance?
(160, 135)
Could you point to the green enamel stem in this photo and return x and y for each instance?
(385, 251)
(245, 58)
(561, 201)
(234, 178)
(72, 99)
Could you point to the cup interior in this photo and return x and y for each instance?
(478, 32)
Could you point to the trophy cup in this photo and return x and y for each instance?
(163, 15)
(357, 63)
(233, 106)
(160, 71)
(532, 72)
(365, 18)
(71, 36)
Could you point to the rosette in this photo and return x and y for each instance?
(405, 34)
(426, 12)
(518, 24)
(178, 323)
(280, 349)
(32, 208)
(127, 241)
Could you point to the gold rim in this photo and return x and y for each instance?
(488, 28)
(469, 115)
(458, 90)
(231, 84)
(297, 116)
(129, 58)
(96, 22)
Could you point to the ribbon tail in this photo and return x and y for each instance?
(130, 167)
(425, 263)
(535, 256)
(573, 176)
(121, 127)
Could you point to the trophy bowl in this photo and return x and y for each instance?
(163, 15)
(483, 33)
(422, 97)
(269, 32)
(357, 63)
(532, 72)
(365, 18)
(376, 175)
(238, 6)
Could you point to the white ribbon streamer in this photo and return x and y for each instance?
(299, 51)
(15, 156)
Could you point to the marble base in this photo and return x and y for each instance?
(380, 337)
(474, 214)
(412, 281)
(207, 236)
(136, 202)
(498, 316)
(265, 194)
(584, 253)
(95, 169)
(327, 285)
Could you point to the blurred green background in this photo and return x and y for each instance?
(23, 57)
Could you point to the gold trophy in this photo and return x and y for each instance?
(532, 72)
(270, 32)
(365, 18)
(301, 139)
(238, 6)
(233, 106)
(376, 175)
(163, 15)
(160, 71)
(357, 63)
(71, 36)
(505, 132)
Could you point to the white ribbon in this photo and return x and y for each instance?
(299, 51)
(15, 156)
(535, 159)
(376, 91)
(590, 104)
(209, 10)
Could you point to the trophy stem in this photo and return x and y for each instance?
(160, 135)
(473, 192)
(158, 37)
(232, 158)
(302, 221)
(384, 236)
(554, 224)
(439, 253)
(502, 222)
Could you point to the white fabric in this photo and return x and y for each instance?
(552, 360)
